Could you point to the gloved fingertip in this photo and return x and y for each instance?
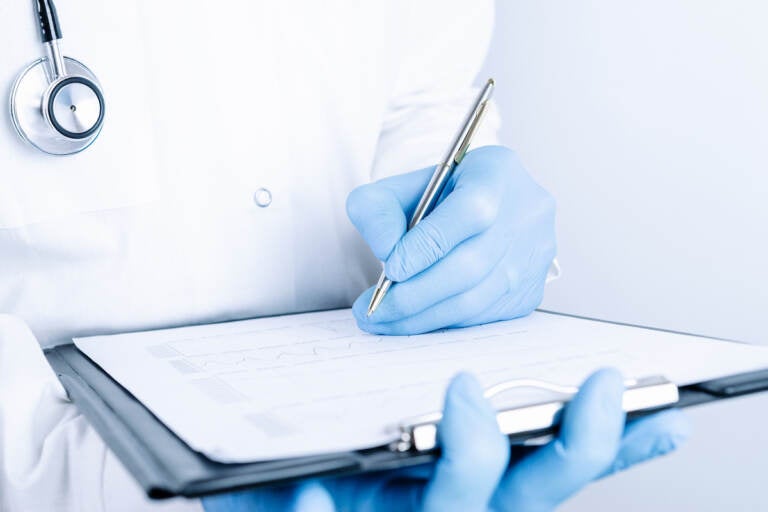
(679, 428)
(357, 203)
(607, 381)
(465, 408)
(667, 444)
(312, 496)
(601, 393)
(662, 445)
(650, 437)
(678, 433)
(465, 385)
(593, 423)
(360, 313)
(360, 306)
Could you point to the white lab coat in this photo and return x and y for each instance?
(156, 225)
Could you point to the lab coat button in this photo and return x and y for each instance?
(262, 197)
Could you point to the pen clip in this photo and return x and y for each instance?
(470, 133)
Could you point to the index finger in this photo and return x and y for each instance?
(468, 210)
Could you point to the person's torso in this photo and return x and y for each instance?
(233, 134)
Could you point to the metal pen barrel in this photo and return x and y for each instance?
(440, 177)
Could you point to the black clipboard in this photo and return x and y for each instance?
(164, 466)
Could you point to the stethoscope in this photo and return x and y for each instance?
(56, 102)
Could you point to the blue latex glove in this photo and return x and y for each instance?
(480, 256)
(474, 472)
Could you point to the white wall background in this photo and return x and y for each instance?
(649, 123)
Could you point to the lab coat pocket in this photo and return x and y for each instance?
(119, 169)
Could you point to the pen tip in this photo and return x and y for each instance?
(491, 81)
(378, 294)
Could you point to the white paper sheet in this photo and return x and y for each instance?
(314, 383)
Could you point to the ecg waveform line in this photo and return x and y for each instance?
(348, 328)
(252, 354)
(321, 352)
(283, 355)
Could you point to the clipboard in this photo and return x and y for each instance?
(165, 467)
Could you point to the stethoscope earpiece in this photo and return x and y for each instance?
(56, 102)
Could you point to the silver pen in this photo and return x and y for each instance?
(440, 177)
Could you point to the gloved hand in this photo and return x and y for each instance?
(480, 256)
(473, 472)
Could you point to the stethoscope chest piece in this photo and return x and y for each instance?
(56, 102)
(62, 116)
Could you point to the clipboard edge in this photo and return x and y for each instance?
(160, 482)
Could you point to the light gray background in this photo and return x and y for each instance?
(648, 121)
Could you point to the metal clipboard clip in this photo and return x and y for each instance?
(648, 393)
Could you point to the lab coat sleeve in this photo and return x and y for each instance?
(442, 50)
(52, 460)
